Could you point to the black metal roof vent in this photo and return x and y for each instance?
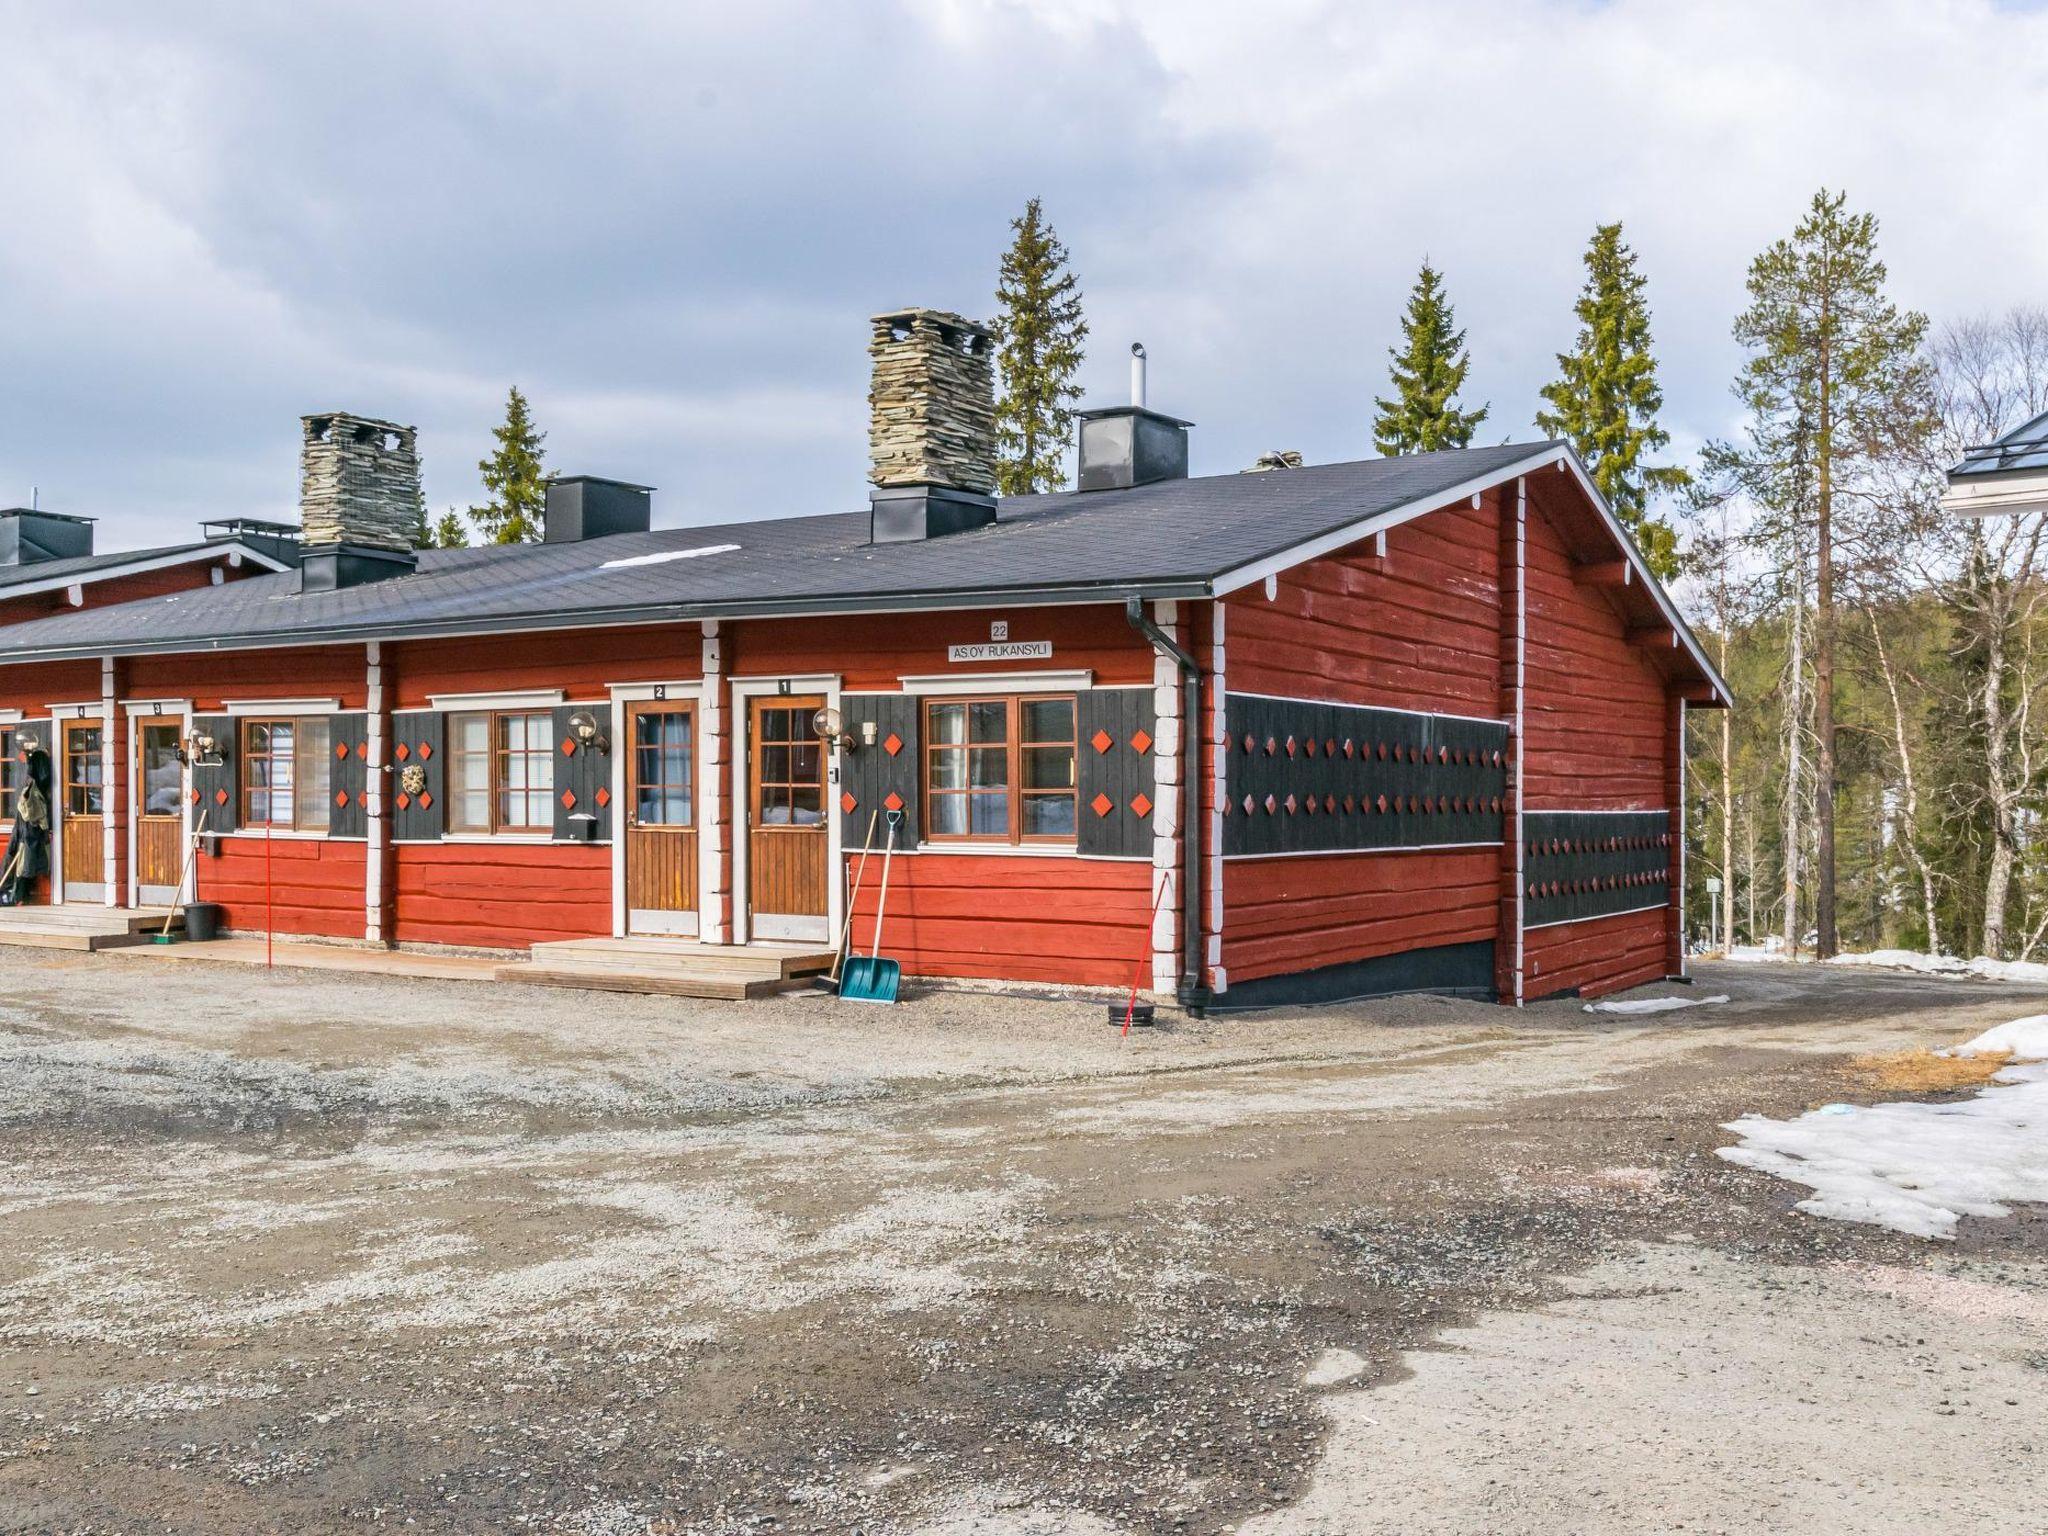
(583, 507)
(29, 536)
(1127, 445)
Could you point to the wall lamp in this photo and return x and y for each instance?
(830, 728)
(200, 747)
(589, 736)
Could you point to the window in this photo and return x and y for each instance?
(285, 773)
(84, 771)
(1000, 770)
(789, 779)
(501, 772)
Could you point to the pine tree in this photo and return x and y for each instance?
(514, 479)
(1040, 330)
(1429, 370)
(450, 532)
(1606, 401)
(1837, 391)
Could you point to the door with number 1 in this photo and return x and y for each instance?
(788, 846)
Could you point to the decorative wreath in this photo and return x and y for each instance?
(413, 779)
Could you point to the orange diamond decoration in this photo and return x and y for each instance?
(1102, 805)
(892, 801)
(220, 797)
(847, 802)
(1141, 743)
(340, 750)
(426, 800)
(403, 752)
(362, 749)
(403, 800)
(568, 799)
(604, 797)
(1143, 805)
(893, 745)
(426, 749)
(568, 746)
(362, 797)
(1101, 741)
(341, 797)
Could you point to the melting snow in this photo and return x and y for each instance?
(666, 555)
(1652, 1004)
(1983, 968)
(1919, 1168)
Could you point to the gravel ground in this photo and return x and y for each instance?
(309, 1251)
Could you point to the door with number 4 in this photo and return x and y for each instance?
(788, 845)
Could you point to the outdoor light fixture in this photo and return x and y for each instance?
(826, 724)
(869, 730)
(583, 725)
(200, 747)
(28, 741)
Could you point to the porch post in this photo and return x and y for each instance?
(113, 792)
(1170, 752)
(714, 867)
(379, 872)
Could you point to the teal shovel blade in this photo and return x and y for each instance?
(870, 979)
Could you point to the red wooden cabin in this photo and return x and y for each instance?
(1438, 706)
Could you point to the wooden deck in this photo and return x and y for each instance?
(363, 959)
(82, 927)
(670, 967)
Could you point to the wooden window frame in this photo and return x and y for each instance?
(1014, 791)
(309, 811)
(141, 729)
(495, 754)
(69, 727)
(13, 771)
(636, 711)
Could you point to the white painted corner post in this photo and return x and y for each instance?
(714, 882)
(377, 855)
(1170, 740)
(114, 771)
(1219, 767)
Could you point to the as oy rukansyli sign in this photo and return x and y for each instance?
(1001, 650)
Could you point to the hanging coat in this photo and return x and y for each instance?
(28, 840)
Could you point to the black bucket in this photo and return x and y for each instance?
(202, 921)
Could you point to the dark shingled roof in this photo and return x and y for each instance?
(79, 567)
(1166, 539)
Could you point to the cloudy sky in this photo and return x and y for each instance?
(666, 222)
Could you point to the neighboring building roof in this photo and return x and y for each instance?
(2009, 475)
(1174, 538)
(47, 575)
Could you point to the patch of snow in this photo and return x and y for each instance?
(1916, 1168)
(664, 556)
(1652, 1004)
(1332, 1367)
(1754, 954)
(1983, 968)
(2023, 1040)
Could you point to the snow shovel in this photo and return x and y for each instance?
(829, 982)
(869, 978)
(163, 935)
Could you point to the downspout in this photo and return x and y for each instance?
(1190, 993)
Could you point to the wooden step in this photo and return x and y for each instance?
(726, 988)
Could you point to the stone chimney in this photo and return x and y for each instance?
(359, 487)
(931, 424)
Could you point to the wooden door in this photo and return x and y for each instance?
(787, 839)
(83, 804)
(159, 811)
(661, 818)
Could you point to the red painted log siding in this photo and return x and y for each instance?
(311, 887)
(1418, 630)
(1287, 915)
(1602, 954)
(295, 672)
(1595, 712)
(874, 651)
(581, 662)
(33, 688)
(119, 589)
(1084, 922)
(501, 895)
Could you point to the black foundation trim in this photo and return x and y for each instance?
(1450, 970)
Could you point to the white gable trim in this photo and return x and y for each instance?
(1560, 458)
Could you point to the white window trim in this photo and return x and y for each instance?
(514, 700)
(94, 710)
(279, 708)
(745, 689)
(540, 835)
(155, 707)
(939, 684)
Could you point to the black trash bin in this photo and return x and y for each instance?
(202, 921)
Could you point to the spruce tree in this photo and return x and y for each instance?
(514, 479)
(1429, 370)
(1040, 331)
(450, 532)
(1606, 400)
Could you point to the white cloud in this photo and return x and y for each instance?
(667, 223)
